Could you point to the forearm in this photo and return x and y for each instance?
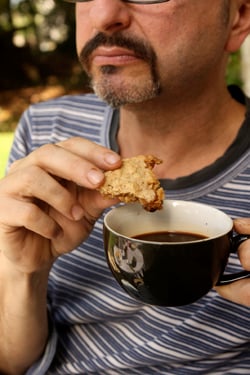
(23, 318)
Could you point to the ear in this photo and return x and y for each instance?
(240, 27)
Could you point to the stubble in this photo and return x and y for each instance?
(115, 84)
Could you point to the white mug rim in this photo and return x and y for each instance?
(169, 203)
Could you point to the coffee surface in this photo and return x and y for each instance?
(170, 236)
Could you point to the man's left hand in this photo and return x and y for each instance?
(239, 291)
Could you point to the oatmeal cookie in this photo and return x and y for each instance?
(135, 181)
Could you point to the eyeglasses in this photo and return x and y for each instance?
(126, 1)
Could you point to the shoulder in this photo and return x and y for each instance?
(66, 116)
(61, 118)
(73, 103)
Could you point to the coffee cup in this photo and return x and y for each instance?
(173, 256)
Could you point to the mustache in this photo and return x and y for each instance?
(140, 48)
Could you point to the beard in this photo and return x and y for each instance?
(118, 92)
(108, 81)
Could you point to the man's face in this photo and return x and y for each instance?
(133, 53)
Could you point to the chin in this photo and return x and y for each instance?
(118, 93)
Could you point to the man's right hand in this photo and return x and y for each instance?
(48, 206)
(48, 201)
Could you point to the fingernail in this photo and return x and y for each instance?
(77, 212)
(111, 158)
(95, 176)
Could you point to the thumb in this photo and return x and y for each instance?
(242, 225)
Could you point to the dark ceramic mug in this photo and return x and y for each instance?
(170, 257)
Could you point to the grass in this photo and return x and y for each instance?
(5, 144)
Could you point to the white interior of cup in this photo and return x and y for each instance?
(181, 216)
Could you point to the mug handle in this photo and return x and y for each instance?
(228, 279)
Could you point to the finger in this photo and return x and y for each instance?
(27, 215)
(238, 292)
(33, 182)
(63, 163)
(244, 254)
(100, 156)
(242, 225)
(95, 203)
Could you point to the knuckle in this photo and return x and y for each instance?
(29, 178)
(15, 165)
(69, 142)
(77, 166)
(35, 220)
(43, 152)
(30, 214)
(62, 198)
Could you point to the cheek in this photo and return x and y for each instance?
(79, 43)
(83, 35)
(179, 45)
(80, 37)
(83, 29)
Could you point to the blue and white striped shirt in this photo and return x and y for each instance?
(97, 327)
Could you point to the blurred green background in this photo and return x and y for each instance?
(38, 60)
(5, 144)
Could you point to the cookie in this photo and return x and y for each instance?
(135, 181)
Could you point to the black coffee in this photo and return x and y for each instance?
(170, 237)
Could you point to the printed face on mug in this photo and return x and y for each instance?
(170, 257)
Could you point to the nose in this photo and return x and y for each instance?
(109, 16)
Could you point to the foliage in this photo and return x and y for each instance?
(36, 34)
(233, 74)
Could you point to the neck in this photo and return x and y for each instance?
(186, 134)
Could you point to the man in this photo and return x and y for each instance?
(161, 64)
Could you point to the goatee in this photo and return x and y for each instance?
(127, 91)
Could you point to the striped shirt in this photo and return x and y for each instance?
(96, 328)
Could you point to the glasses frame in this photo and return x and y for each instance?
(145, 2)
